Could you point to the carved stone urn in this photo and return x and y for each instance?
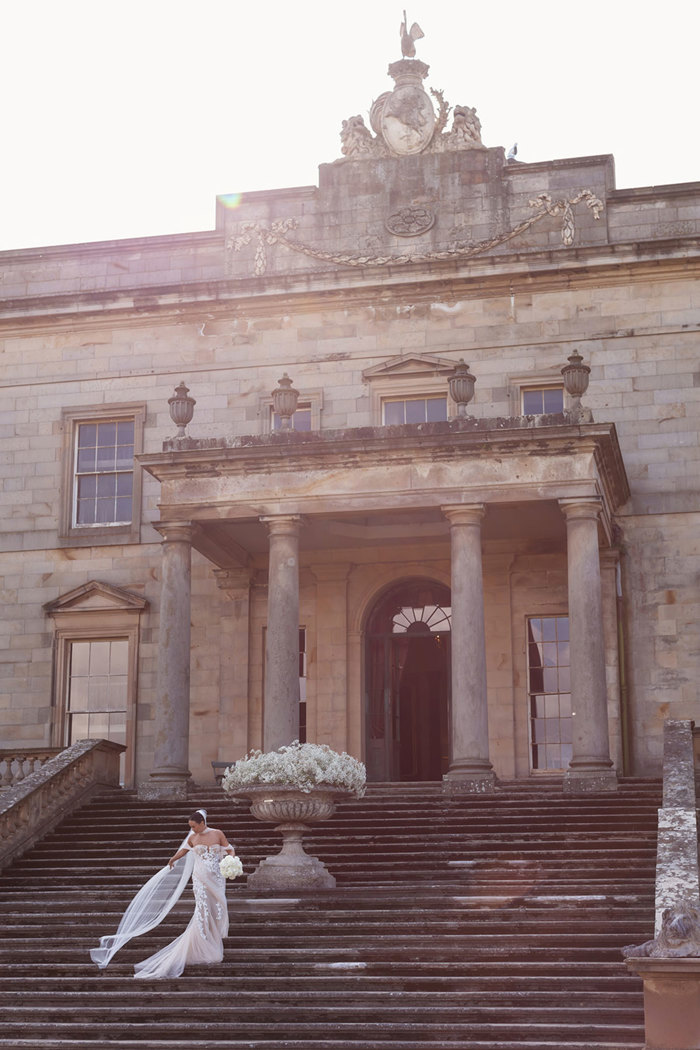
(292, 810)
(461, 384)
(284, 401)
(181, 408)
(575, 376)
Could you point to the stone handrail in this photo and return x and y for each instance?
(677, 872)
(33, 807)
(18, 763)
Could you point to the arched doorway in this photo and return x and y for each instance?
(407, 660)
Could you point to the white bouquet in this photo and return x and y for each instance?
(300, 766)
(230, 867)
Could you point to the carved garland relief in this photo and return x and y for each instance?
(407, 222)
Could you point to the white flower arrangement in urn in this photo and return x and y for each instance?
(296, 785)
(300, 766)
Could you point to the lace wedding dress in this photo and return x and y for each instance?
(202, 941)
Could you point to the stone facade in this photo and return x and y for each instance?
(371, 286)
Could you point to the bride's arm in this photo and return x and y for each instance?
(180, 853)
(223, 841)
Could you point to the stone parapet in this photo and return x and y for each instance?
(33, 807)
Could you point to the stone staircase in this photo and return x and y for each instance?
(477, 923)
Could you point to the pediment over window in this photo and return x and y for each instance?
(415, 366)
(97, 597)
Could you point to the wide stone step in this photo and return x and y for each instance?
(166, 1029)
(527, 1041)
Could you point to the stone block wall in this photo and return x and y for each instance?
(122, 323)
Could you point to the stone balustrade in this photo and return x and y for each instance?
(668, 966)
(15, 764)
(32, 807)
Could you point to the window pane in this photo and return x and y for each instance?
(565, 704)
(87, 486)
(125, 432)
(125, 483)
(301, 420)
(532, 402)
(549, 629)
(563, 628)
(564, 679)
(87, 458)
(415, 411)
(551, 706)
(536, 629)
(549, 654)
(80, 658)
(550, 680)
(118, 657)
(104, 511)
(393, 413)
(99, 658)
(79, 694)
(123, 510)
(107, 434)
(106, 484)
(87, 435)
(85, 512)
(436, 409)
(554, 400)
(79, 727)
(106, 457)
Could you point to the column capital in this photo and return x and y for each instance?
(175, 531)
(233, 579)
(581, 507)
(464, 513)
(331, 572)
(282, 524)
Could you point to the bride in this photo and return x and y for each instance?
(202, 942)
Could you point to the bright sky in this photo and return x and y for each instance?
(125, 119)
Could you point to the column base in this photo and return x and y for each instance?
(464, 782)
(165, 786)
(588, 781)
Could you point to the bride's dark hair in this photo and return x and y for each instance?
(199, 816)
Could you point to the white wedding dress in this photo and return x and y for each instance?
(202, 941)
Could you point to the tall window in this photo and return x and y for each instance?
(549, 691)
(414, 410)
(538, 400)
(101, 492)
(104, 473)
(97, 689)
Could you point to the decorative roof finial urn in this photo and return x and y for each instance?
(576, 384)
(181, 408)
(461, 386)
(284, 401)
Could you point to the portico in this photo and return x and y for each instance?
(302, 506)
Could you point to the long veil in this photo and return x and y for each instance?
(149, 907)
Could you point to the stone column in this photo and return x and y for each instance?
(170, 774)
(331, 669)
(281, 713)
(470, 768)
(233, 662)
(590, 767)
